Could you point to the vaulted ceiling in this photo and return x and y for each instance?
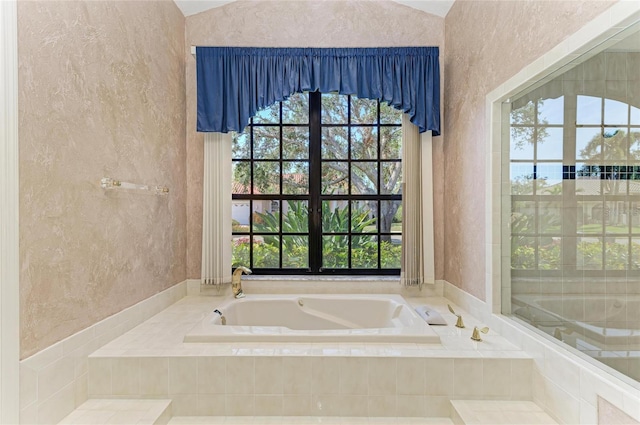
(435, 7)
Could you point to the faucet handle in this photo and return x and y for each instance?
(459, 322)
(476, 333)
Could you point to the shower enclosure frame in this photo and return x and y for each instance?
(9, 248)
(599, 33)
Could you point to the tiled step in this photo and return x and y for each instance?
(120, 411)
(303, 420)
(498, 412)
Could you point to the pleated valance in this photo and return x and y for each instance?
(236, 82)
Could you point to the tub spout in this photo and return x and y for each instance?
(236, 281)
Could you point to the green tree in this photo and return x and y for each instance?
(364, 176)
(527, 125)
(607, 149)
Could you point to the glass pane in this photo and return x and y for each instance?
(616, 253)
(635, 253)
(549, 253)
(295, 143)
(524, 115)
(635, 217)
(364, 178)
(589, 253)
(364, 252)
(589, 110)
(634, 144)
(266, 178)
(266, 252)
(523, 216)
(335, 252)
(295, 110)
(590, 217)
(240, 251)
(266, 216)
(391, 251)
(634, 118)
(295, 218)
(268, 115)
(295, 252)
(391, 142)
(521, 178)
(521, 142)
(523, 253)
(335, 109)
(266, 142)
(364, 111)
(241, 183)
(588, 172)
(389, 114)
(335, 217)
(551, 111)
(615, 112)
(240, 213)
(549, 143)
(295, 178)
(615, 143)
(633, 171)
(364, 143)
(241, 147)
(616, 217)
(391, 216)
(335, 176)
(363, 216)
(391, 178)
(549, 179)
(335, 143)
(550, 218)
(589, 144)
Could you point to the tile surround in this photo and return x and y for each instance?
(56, 380)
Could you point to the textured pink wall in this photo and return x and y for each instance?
(301, 24)
(101, 88)
(487, 42)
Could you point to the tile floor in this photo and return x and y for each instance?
(140, 412)
(303, 420)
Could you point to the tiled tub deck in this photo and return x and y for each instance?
(305, 379)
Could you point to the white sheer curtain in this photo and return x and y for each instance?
(417, 206)
(216, 209)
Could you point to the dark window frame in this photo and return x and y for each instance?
(315, 198)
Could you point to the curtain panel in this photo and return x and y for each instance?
(216, 210)
(236, 82)
(417, 207)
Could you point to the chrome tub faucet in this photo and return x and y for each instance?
(236, 281)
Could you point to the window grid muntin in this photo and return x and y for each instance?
(350, 197)
(631, 172)
(252, 196)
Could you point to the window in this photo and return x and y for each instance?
(316, 187)
(575, 194)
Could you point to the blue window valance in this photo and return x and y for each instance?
(236, 82)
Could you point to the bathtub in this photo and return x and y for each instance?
(313, 318)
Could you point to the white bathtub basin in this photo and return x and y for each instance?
(313, 318)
